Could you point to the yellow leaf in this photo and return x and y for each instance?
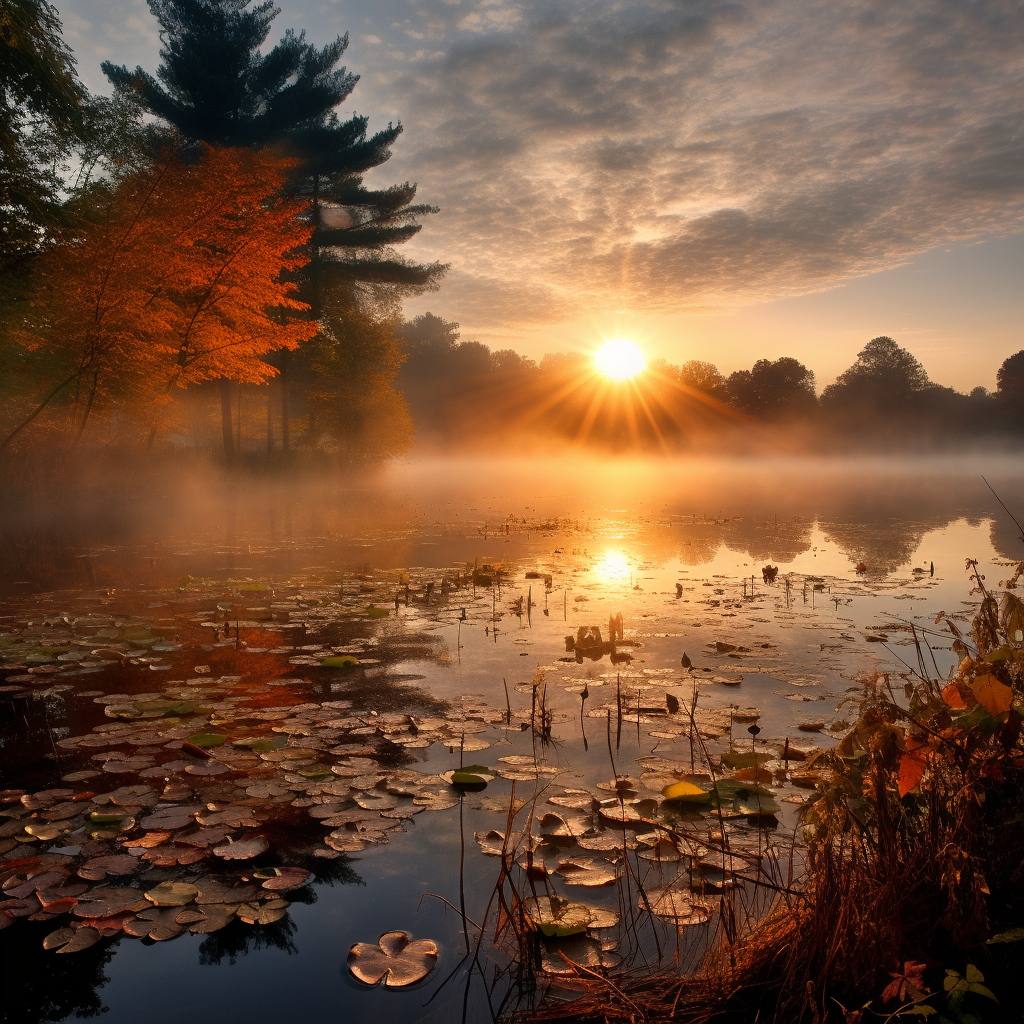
(686, 791)
(995, 697)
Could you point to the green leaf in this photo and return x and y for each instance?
(207, 739)
(343, 661)
(1012, 935)
(921, 1010)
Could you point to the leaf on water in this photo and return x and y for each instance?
(214, 918)
(61, 937)
(686, 792)
(107, 902)
(557, 918)
(375, 800)
(573, 799)
(491, 842)
(207, 739)
(82, 938)
(663, 850)
(267, 913)
(555, 957)
(285, 879)
(97, 868)
(172, 894)
(244, 849)
(755, 805)
(677, 905)
(397, 959)
(594, 840)
(589, 871)
(343, 661)
(602, 917)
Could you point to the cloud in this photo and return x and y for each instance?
(659, 156)
(671, 155)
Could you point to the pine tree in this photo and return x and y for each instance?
(40, 114)
(215, 86)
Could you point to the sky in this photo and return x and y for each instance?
(715, 179)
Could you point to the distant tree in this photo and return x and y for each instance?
(215, 85)
(177, 281)
(351, 370)
(40, 116)
(883, 376)
(507, 360)
(773, 390)
(428, 332)
(704, 377)
(1010, 388)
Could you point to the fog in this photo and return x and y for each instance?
(103, 527)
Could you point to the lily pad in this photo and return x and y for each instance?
(677, 905)
(75, 942)
(172, 894)
(686, 792)
(557, 918)
(589, 871)
(245, 849)
(284, 879)
(266, 913)
(396, 959)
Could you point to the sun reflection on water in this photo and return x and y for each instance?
(614, 566)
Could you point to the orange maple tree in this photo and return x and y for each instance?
(182, 277)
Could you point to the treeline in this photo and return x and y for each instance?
(461, 392)
(195, 261)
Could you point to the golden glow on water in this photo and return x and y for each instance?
(613, 567)
(620, 359)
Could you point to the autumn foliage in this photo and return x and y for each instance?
(180, 274)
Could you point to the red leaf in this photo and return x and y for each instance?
(912, 766)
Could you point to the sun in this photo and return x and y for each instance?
(620, 359)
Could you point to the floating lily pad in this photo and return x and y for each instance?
(244, 849)
(686, 792)
(71, 940)
(266, 913)
(589, 871)
(207, 739)
(172, 894)
(680, 906)
(557, 918)
(396, 959)
(283, 879)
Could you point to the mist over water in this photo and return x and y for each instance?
(167, 521)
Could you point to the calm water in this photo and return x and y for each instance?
(210, 609)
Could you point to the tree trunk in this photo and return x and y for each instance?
(270, 421)
(285, 439)
(225, 421)
(238, 438)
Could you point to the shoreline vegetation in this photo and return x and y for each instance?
(909, 905)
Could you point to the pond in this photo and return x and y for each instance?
(230, 714)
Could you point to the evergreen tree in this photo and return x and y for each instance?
(40, 116)
(214, 85)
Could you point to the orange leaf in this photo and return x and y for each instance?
(912, 766)
(993, 695)
(951, 695)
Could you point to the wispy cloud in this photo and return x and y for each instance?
(666, 155)
(663, 156)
